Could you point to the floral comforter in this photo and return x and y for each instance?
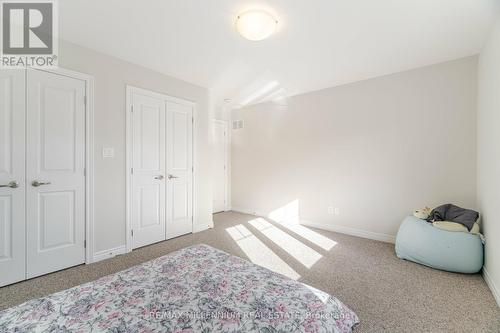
(196, 289)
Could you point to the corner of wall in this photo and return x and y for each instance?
(491, 284)
(487, 156)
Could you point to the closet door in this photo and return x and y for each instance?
(179, 169)
(55, 172)
(219, 171)
(148, 164)
(12, 185)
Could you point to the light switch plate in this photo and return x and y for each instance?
(108, 152)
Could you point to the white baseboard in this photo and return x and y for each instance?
(109, 253)
(332, 227)
(351, 231)
(491, 284)
(113, 252)
(201, 227)
(243, 211)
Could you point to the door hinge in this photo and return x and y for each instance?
(131, 171)
(85, 243)
(192, 120)
(132, 232)
(131, 108)
(84, 172)
(85, 101)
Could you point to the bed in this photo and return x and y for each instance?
(196, 289)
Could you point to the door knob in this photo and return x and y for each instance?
(12, 184)
(159, 177)
(172, 177)
(37, 183)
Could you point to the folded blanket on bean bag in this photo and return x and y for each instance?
(452, 213)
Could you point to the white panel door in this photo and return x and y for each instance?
(219, 171)
(12, 184)
(179, 169)
(55, 172)
(148, 170)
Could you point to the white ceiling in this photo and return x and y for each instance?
(319, 43)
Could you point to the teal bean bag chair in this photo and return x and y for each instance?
(421, 242)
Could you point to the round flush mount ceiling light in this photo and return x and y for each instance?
(256, 25)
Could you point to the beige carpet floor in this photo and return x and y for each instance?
(388, 294)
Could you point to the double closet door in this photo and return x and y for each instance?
(161, 151)
(42, 175)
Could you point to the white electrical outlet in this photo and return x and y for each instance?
(108, 152)
(333, 210)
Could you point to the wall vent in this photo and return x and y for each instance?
(238, 124)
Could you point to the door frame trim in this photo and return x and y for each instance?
(89, 154)
(225, 123)
(128, 153)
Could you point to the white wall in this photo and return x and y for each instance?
(489, 156)
(375, 149)
(111, 77)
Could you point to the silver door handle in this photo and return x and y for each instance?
(159, 177)
(37, 183)
(172, 177)
(12, 184)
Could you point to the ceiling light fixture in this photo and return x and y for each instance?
(256, 25)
